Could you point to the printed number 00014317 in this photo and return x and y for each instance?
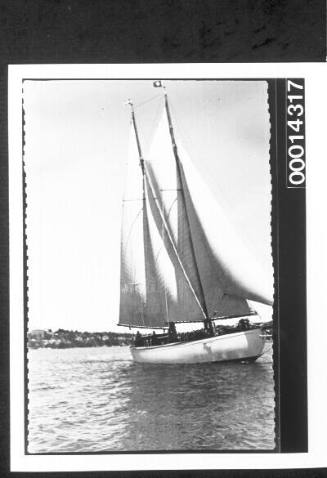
(295, 142)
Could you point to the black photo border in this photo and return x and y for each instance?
(289, 309)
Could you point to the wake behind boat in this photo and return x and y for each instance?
(181, 262)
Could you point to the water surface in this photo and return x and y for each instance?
(97, 399)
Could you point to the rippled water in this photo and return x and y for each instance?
(97, 399)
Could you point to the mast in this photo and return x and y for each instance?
(130, 103)
(151, 273)
(141, 159)
(207, 320)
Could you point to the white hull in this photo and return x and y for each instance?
(244, 345)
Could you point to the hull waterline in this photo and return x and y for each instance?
(241, 345)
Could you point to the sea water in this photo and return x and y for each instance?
(98, 400)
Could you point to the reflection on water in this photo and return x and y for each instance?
(97, 399)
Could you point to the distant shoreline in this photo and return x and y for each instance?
(64, 339)
(69, 347)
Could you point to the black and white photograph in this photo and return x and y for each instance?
(163, 246)
(157, 244)
(150, 279)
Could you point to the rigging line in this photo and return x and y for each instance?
(146, 101)
(154, 124)
(157, 115)
(132, 200)
(131, 227)
(164, 222)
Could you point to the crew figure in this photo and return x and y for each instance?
(154, 339)
(172, 334)
(244, 324)
(138, 339)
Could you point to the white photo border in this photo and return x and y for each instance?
(316, 101)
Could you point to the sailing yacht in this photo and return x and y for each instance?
(181, 261)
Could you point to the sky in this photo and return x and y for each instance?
(76, 142)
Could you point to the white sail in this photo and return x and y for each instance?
(185, 305)
(162, 171)
(149, 279)
(132, 275)
(222, 255)
(208, 248)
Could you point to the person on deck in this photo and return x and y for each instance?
(138, 339)
(154, 339)
(172, 334)
(244, 324)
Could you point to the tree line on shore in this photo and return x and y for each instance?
(62, 338)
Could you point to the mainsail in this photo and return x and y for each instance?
(180, 259)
